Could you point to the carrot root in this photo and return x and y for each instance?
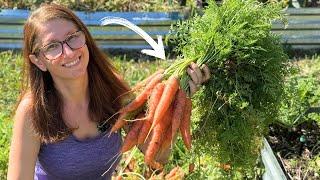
(185, 124)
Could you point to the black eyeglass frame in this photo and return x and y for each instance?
(38, 51)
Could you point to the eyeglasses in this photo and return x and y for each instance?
(54, 50)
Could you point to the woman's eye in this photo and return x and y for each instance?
(52, 47)
(73, 38)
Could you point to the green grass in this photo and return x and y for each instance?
(9, 79)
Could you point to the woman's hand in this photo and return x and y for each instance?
(198, 76)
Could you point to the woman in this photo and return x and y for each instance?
(69, 88)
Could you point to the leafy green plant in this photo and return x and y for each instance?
(301, 93)
(243, 96)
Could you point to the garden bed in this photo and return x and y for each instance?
(297, 149)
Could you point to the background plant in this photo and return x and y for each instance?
(100, 5)
(9, 79)
(302, 92)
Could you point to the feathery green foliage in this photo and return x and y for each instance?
(301, 93)
(248, 68)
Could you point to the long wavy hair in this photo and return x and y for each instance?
(47, 104)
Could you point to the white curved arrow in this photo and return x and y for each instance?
(158, 49)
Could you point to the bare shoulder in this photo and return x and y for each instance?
(22, 117)
(25, 144)
(24, 107)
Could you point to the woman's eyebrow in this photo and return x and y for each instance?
(66, 35)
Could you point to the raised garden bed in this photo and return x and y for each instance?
(297, 149)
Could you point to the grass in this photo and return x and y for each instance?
(9, 80)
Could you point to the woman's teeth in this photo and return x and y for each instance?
(72, 63)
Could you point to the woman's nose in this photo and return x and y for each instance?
(67, 51)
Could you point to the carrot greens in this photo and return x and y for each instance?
(248, 64)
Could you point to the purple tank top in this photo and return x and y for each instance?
(79, 159)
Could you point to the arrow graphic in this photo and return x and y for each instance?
(158, 49)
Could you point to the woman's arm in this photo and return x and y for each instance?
(24, 145)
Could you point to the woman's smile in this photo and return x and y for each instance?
(72, 63)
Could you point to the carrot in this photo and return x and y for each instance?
(119, 123)
(136, 103)
(191, 167)
(143, 96)
(179, 106)
(155, 165)
(225, 166)
(147, 80)
(132, 137)
(167, 139)
(141, 83)
(152, 103)
(185, 124)
(173, 172)
(156, 137)
(172, 85)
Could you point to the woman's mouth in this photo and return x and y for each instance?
(73, 63)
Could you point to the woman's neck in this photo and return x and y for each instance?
(74, 91)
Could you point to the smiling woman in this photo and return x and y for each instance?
(63, 59)
(61, 107)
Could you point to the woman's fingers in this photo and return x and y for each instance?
(193, 75)
(198, 72)
(198, 75)
(206, 72)
(193, 87)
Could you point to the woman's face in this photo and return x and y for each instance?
(72, 63)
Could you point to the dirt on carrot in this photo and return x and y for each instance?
(156, 138)
(185, 124)
(172, 86)
(132, 137)
(152, 103)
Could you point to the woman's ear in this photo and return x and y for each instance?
(36, 61)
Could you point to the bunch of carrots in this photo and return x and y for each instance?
(168, 111)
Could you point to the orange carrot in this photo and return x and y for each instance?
(141, 83)
(143, 96)
(152, 103)
(225, 166)
(136, 103)
(191, 167)
(147, 80)
(132, 137)
(173, 172)
(156, 137)
(167, 139)
(155, 165)
(119, 123)
(179, 106)
(185, 124)
(172, 85)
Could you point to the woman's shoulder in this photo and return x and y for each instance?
(22, 121)
(23, 110)
(25, 102)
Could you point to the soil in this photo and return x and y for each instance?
(295, 148)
